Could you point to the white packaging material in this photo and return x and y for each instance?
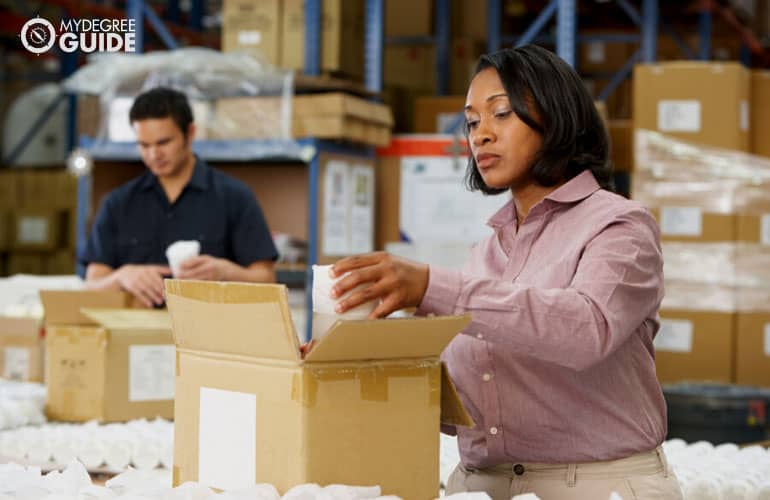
(324, 315)
(476, 495)
(180, 251)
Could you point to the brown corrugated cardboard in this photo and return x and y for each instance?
(603, 57)
(752, 357)
(701, 102)
(753, 228)
(342, 36)
(331, 116)
(21, 349)
(62, 307)
(40, 188)
(760, 112)
(60, 262)
(253, 28)
(410, 66)
(24, 263)
(5, 229)
(249, 410)
(119, 369)
(408, 18)
(695, 345)
(621, 144)
(434, 114)
(688, 223)
(36, 229)
(464, 55)
(9, 189)
(469, 18)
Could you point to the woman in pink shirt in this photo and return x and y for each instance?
(557, 367)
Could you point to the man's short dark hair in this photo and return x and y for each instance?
(574, 135)
(162, 102)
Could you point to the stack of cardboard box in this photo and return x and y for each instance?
(37, 221)
(714, 217)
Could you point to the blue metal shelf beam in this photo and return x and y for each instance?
(704, 29)
(443, 42)
(374, 34)
(313, 37)
(566, 29)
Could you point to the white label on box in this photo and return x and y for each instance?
(675, 335)
(767, 339)
(596, 52)
(227, 439)
(679, 116)
(151, 372)
(249, 37)
(16, 363)
(362, 209)
(681, 221)
(744, 115)
(32, 230)
(764, 229)
(335, 235)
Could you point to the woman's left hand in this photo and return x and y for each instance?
(398, 282)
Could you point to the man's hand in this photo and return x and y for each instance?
(144, 282)
(399, 282)
(205, 267)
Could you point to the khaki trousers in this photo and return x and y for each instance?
(643, 476)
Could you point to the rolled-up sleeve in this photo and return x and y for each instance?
(617, 285)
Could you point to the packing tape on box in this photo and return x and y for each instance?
(374, 380)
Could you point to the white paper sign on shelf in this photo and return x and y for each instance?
(362, 209)
(675, 335)
(436, 207)
(335, 237)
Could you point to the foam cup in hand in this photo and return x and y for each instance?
(180, 251)
(324, 315)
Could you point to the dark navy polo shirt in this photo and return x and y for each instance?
(136, 222)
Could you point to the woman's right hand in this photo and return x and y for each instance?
(398, 283)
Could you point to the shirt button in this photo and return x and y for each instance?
(493, 431)
(479, 336)
(518, 469)
(487, 377)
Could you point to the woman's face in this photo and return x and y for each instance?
(502, 145)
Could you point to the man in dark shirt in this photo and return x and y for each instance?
(178, 198)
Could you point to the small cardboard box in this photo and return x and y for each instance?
(760, 112)
(433, 115)
(61, 262)
(621, 145)
(25, 263)
(694, 224)
(36, 229)
(701, 102)
(21, 349)
(5, 229)
(9, 189)
(362, 408)
(408, 18)
(253, 28)
(695, 345)
(117, 367)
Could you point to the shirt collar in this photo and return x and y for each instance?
(578, 188)
(199, 179)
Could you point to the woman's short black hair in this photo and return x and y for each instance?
(574, 135)
(162, 102)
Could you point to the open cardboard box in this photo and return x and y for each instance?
(362, 408)
(21, 349)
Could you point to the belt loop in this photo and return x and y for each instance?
(571, 475)
(663, 460)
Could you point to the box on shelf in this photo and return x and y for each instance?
(434, 115)
(410, 66)
(752, 351)
(9, 188)
(60, 262)
(418, 22)
(621, 144)
(760, 112)
(5, 229)
(250, 410)
(110, 365)
(21, 349)
(37, 229)
(598, 56)
(342, 36)
(253, 28)
(701, 102)
(696, 340)
(24, 263)
(330, 116)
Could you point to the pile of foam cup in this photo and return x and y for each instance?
(21, 403)
(114, 447)
(180, 251)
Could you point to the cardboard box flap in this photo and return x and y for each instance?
(129, 319)
(337, 103)
(22, 326)
(452, 409)
(232, 318)
(62, 307)
(387, 339)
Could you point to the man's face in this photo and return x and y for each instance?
(163, 146)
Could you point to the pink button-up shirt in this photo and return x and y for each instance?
(557, 364)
